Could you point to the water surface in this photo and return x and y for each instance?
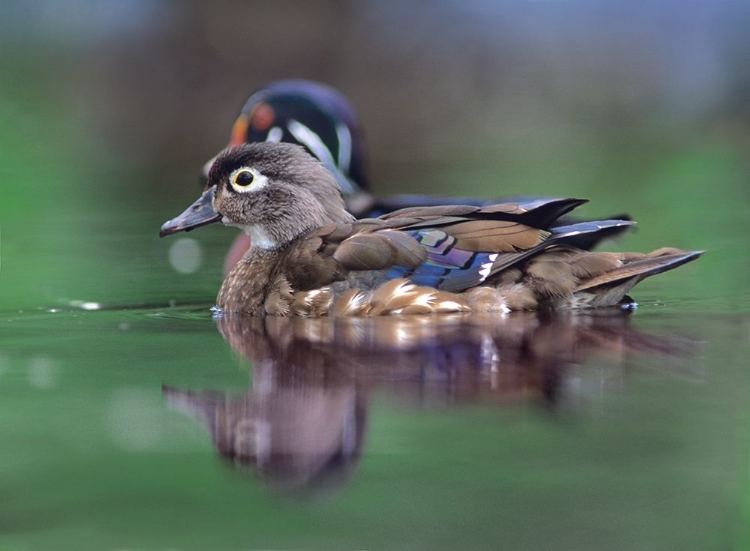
(162, 427)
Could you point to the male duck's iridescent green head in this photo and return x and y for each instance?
(312, 115)
(273, 191)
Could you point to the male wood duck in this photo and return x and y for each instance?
(324, 122)
(316, 117)
(310, 257)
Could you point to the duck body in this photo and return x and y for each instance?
(438, 260)
(310, 257)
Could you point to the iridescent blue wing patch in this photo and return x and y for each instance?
(447, 267)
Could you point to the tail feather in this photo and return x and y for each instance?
(592, 226)
(586, 235)
(640, 269)
(542, 212)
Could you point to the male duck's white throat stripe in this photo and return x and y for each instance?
(275, 135)
(317, 147)
(345, 146)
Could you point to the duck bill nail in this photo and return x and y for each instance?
(200, 213)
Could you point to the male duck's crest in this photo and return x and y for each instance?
(309, 114)
(309, 257)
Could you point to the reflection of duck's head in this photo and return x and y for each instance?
(302, 439)
(309, 114)
(301, 425)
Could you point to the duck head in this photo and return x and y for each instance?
(312, 115)
(275, 192)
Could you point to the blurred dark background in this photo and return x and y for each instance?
(108, 110)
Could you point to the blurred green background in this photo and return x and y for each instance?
(108, 111)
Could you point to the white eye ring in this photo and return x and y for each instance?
(245, 179)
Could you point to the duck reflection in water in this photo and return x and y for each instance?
(302, 423)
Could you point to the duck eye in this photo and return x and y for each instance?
(243, 178)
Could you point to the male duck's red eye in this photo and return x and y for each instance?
(262, 117)
(243, 178)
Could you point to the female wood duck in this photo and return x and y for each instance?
(311, 257)
(324, 122)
